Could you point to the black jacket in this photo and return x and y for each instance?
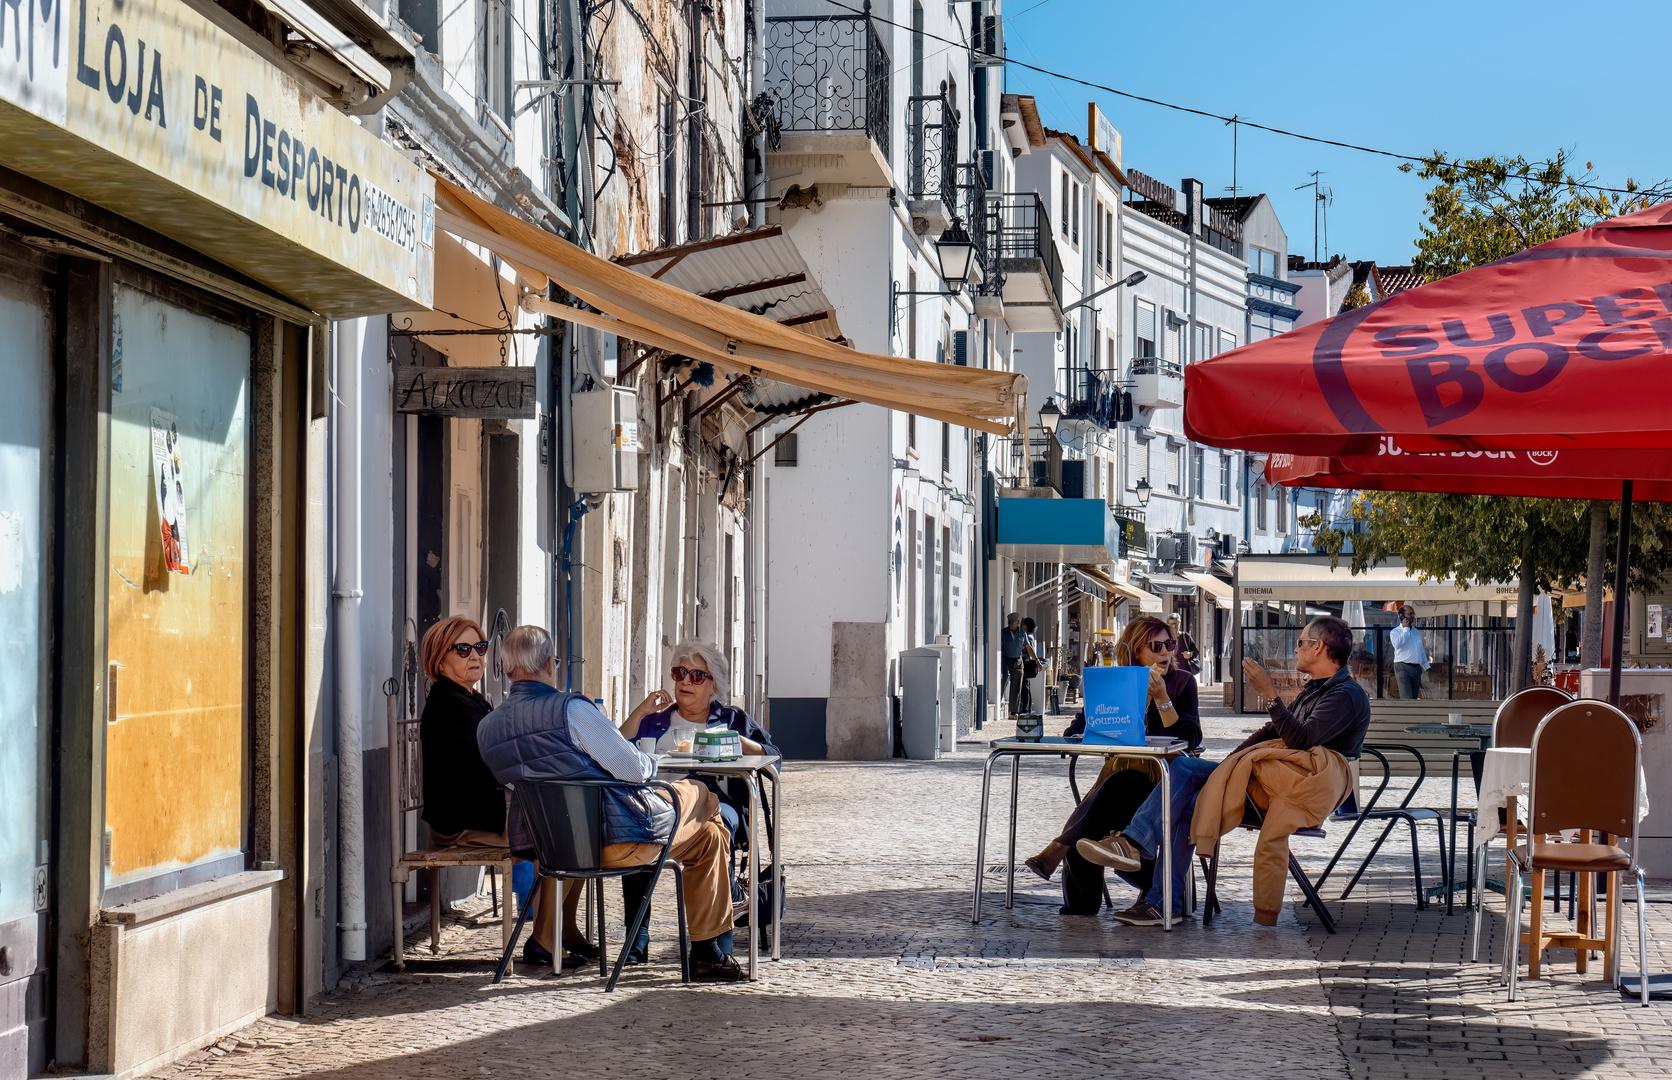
(1330, 712)
(459, 791)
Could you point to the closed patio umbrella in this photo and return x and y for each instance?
(1563, 347)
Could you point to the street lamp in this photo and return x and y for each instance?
(956, 253)
(1130, 279)
(1143, 490)
(1050, 416)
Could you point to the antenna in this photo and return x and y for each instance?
(1234, 188)
(1317, 198)
(1327, 198)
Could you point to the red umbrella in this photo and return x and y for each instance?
(1561, 347)
(1567, 345)
(1550, 474)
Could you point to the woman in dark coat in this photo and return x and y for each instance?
(1110, 804)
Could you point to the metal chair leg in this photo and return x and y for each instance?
(1213, 876)
(511, 946)
(1512, 928)
(1477, 855)
(597, 885)
(684, 929)
(1416, 864)
(1312, 898)
(1642, 943)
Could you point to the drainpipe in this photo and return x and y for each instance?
(757, 83)
(351, 852)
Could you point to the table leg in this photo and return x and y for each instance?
(1451, 870)
(1010, 854)
(754, 878)
(981, 834)
(777, 862)
(1166, 847)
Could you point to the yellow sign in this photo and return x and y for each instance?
(150, 110)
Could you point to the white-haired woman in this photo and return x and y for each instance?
(701, 684)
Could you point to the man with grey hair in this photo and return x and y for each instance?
(542, 733)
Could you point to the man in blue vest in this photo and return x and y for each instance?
(542, 733)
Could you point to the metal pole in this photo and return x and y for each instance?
(1622, 585)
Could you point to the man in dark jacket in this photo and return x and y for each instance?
(542, 733)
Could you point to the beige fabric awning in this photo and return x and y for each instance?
(1218, 587)
(656, 314)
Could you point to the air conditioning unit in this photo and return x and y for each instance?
(605, 440)
(989, 42)
(1168, 549)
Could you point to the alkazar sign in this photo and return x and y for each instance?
(478, 393)
(147, 108)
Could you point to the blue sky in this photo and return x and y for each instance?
(1469, 78)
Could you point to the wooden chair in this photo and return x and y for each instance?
(406, 788)
(1586, 775)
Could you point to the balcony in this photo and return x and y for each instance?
(1156, 383)
(1025, 256)
(972, 211)
(829, 78)
(932, 156)
(1093, 396)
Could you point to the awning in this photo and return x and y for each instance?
(1218, 587)
(1310, 577)
(1080, 582)
(760, 271)
(653, 313)
(1146, 601)
(1170, 583)
(1057, 530)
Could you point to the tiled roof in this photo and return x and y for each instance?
(1392, 280)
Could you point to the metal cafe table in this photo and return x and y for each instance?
(750, 769)
(1483, 732)
(1016, 750)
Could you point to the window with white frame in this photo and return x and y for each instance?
(1097, 252)
(1078, 198)
(1175, 459)
(1143, 328)
(1064, 216)
(1224, 477)
(1227, 342)
(1109, 252)
(1282, 509)
(1260, 506)
(1198, 471)
(1137, 464)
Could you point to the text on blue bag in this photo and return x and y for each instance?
(1116, 701)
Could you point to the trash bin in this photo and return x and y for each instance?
(920, 705)
(948, 699)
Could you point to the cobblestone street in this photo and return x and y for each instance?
(883, 974)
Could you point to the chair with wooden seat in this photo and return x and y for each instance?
(1513, 725)
(1586, 777)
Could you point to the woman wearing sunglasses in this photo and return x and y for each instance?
(1124, 784)
(701, 686)
(464, 805)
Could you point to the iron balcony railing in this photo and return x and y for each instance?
(1093, 395)
(932, 145)
(1019, 227)
(1153, 365)
(972, 213)
(829, 73)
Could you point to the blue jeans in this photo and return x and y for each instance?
(1187, 775)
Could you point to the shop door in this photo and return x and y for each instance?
(176, 755)
(26, 329)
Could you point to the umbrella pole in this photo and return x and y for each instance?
(1622, 579)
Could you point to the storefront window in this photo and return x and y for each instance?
(175, 780)
(24, 408)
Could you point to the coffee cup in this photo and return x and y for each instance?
(1455, 719)
(648, 745)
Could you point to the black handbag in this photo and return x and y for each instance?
(765, 893)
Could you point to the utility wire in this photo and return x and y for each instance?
(1217, 116)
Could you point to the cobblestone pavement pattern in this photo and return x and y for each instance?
(884, 976)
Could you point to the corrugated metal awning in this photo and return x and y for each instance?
(734, 341)
(1170, 583)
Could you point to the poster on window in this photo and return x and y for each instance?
(168, 480)
(1652, 626)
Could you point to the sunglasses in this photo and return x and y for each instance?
(1164, 646)
(465, 648)
(680, 674)
(1305, 641)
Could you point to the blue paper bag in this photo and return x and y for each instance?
(1116, 701)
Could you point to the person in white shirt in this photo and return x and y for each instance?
(1410, 659)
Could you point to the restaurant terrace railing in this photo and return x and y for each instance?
(829, 73)
(1467, 663)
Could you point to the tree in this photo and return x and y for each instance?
(1477, 212)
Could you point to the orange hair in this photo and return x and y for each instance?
(444, 633)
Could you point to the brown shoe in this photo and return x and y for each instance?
(1039, 866)
(1114, 851)
(727, 970)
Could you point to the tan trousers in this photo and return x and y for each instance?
(699, 844)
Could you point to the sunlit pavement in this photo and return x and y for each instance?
(883, 975)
